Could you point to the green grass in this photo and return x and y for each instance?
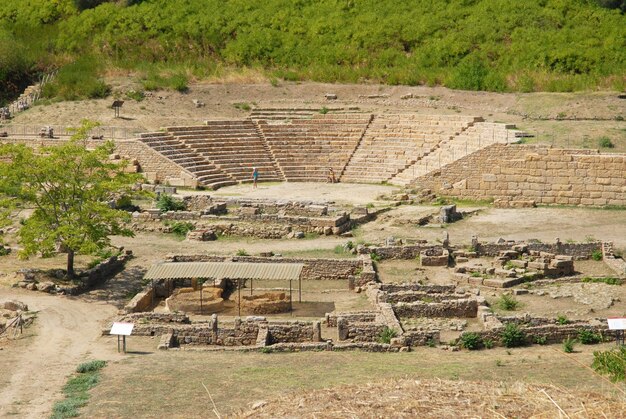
(604, 280)
(76, 390)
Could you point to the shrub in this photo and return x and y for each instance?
(611, 362)
(181, 228)
(488, 343)
(512, 336)
(242, 252)
(167, 202)
(386, 335)
(339, 249)
(476, 275)
(508, 303)
(471, 341)
(78, 80)
(375, 257)
(324, 110)
(243, 106)
(568, 345)
(91, 366)
(588, 337)
(136, 95)
(540, 340)
(596, 255)
(605, 142)
(561, 319)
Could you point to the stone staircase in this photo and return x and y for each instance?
(394, 142)
(281, 114)
(475, 137)
(234, 147)
(306, 148)
(172, 148)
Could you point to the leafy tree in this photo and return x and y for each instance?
(70, 188)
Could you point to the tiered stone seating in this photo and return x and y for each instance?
(305, 149)
(279, 114)
(234, 147)
(396, 141)
(207, 174)
(477, 136)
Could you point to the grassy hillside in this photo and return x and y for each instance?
(496, 45)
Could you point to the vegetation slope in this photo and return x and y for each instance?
(495, 45)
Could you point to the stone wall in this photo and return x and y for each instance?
(297, 331)
(421, 337)
(449, 308)
(549, 333)
(360, 331)
(351, 316)
(616, 263)
(576, 250)
(140, 302)
(544, 175)
(153, 165)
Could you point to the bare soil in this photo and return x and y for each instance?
(562, 119)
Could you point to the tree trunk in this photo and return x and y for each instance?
(70, 264)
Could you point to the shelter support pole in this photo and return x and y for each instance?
(239, 297)
(299, 289)
(290, 301)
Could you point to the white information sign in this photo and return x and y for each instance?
(123, 329)
(617, 323)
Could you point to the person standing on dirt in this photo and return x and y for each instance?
(255, 177)
(331, 176)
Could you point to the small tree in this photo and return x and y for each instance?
(70, 188)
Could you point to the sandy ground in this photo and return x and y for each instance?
(65, 333)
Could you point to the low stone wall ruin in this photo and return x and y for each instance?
(448, 308)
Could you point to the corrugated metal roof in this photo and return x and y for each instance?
(218, 270)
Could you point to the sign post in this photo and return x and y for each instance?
(121, 330)
(619, 325)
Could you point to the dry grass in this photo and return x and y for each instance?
(441, 399)
(153, 383)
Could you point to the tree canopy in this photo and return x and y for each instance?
(497, 45)
(69, 187)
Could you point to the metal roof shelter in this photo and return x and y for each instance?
(228, 270)
(220, 270)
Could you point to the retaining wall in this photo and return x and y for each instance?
(544, 175)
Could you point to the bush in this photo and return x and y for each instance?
(605, 142)
(596, 255)
(508, 303)
(512, 336)
(78, 80)
(242, 252)
(611, 362)
(588, 337)
(386, 335)
(488, 343)
(375, 257)
(471, 341)
(568, 345)
(91, 366)
(181, 228)
(167, 202)
(540, 340)
(561, 319)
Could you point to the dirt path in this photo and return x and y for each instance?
(65, 334)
